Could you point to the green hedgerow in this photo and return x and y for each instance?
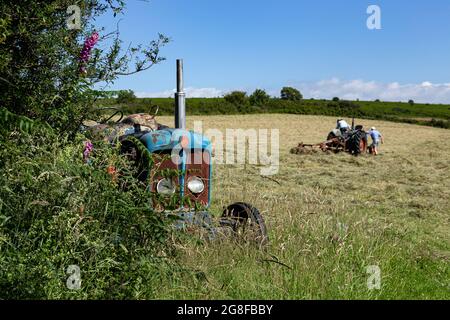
(57, 211)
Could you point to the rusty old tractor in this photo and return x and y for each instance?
(176, 166)
(352, 140)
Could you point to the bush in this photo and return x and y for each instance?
(125, 96)
(56, 211)
(259, 98)
(238, 98)
(292, 94)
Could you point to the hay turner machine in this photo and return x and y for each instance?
(189, 154)
(353, 141)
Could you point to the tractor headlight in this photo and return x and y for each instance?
(165, 187)
(195, 185)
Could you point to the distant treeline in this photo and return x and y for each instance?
(423, 114)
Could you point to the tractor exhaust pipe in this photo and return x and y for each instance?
(180, 99)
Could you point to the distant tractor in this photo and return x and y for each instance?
(352, 140)
(176, 165)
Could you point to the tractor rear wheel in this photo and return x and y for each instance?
(246, 222)
(357, 143)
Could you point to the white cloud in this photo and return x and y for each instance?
(425, 92)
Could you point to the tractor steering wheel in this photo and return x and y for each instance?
(117, 111)
(154, 109)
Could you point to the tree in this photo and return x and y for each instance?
(237, 98)
(335, 99)
(292, 94)
(48, 69)
(411, 102)
(259, 97)
(125, 96)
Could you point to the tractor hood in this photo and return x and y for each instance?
(167, 139)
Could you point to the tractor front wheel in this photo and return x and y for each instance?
(246, 222)
(331, 137)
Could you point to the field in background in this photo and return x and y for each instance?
(330, 217)
(436, 115)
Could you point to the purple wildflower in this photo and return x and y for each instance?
(88, 147)
(89, 43)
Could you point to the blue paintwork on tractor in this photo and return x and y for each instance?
(169, 139)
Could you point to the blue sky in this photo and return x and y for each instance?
(322, 47)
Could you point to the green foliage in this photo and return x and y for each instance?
(259, 98)
(125, 96)
(292, 94)
(10, 121)
(411, 102)
(238, 98)
(40, 75)
(56, 211)
(440, 123)
(335, 99)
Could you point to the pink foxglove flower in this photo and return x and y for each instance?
(85, 54)
(88, 148)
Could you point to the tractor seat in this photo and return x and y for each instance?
(142, 119)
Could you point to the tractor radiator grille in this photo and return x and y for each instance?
(162, 163)
(198, 165)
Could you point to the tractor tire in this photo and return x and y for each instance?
(330, 136)
(246, 223)
(357, 143)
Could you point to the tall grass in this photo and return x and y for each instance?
(330, 217)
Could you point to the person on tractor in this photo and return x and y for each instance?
(342, 125)
(376, 139)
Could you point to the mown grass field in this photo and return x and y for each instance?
(329, 218)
